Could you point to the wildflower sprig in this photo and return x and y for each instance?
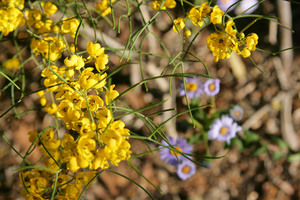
(78, 103)
(225, 39)
(81, 99)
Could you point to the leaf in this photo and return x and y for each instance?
(261, 150)
(251, 137)
(277, 155)
(281, 143)
(239, 144)
(294, 157)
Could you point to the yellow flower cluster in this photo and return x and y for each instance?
(11, 16)
(77, 91)
(168, 4)
(39, 20)
(42, 25)
(54, 44)
(223, 43)
(226, 39)
(82, 100)
(38, 182)
(103, 7)
(197, 16)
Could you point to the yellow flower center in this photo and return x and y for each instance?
(186, 169)
(175, 152)
(223, 130)
(236, 113)
(212, 87)
(191, 86)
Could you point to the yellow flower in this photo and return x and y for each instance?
(88, 80)
(41, 93)
(97, 53)
(168, 4)
(100, 160)
(180, 23)
(55, 29)
(75, 62)
(74, 113)
(70, 25)
(116, 147)
(216, 15)
(87, 128)
(85, 147)
(49, 8)
(57, 46)
(229, 28)
(101, 62)
(104, 117)
(50, 163)
(72, 192)
(83, 178)
(33, 16)
(33, 135)
(222, 43)
(62, 180)
(187, 33)
(111, 94)
(12, 3)
(197, 15)
(48, 135)
(43, 101)
(72, 48)
(64, 91)
(33, 196)
(251, 41)
(245, 53)
(51, 79)
(69, 72)
(94, 50)
(68, 141)
(94, 103)
(51, 108)
(73, 165)
(155, 6)
(10, 19)
(62, 109)
(104, 7)
(39, 21)
(38, 184)
(76, 99)
(12, 63)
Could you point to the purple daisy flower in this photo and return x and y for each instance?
(236, 113)
(212, 87)
(225, 4)
(186, 169)
(193, 88)
(245, 4)
(223, 129)
(170, 156)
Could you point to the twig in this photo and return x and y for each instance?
(287, 128)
